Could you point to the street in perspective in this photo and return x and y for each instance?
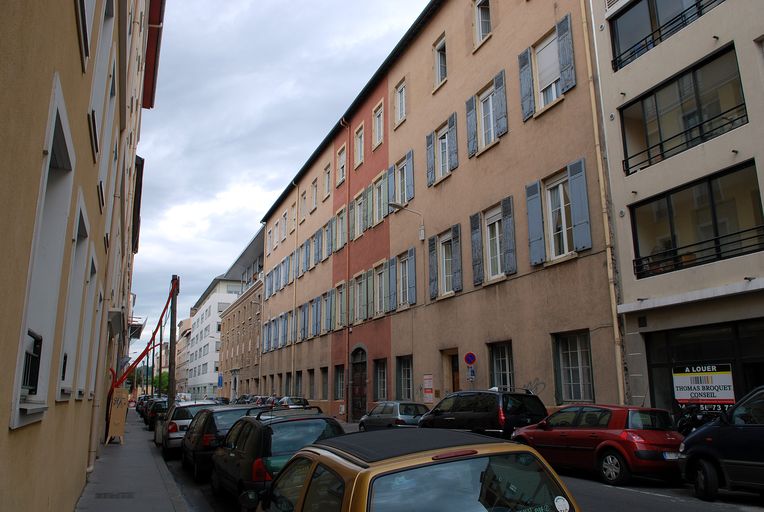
(436, 255)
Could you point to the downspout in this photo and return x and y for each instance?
(348, 387)
(612, 283)
(260, 388)
(294, 273)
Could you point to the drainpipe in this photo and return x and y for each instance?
(603, 182)
(294, 273)
(346, 125)
(98, 391)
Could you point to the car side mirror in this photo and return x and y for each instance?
(249, 500)
(544, 425)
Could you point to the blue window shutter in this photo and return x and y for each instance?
(527, 96)
(430, 147)
(392, 282)
(385, 196)
(471, 127)
(535, 223)
(579, 206)
(565, 52)
(500, 105)
(410, 175)
(456, 257)
(432, 249)
(411, 273)
(453, 143)
(508, 253)
(370, 294)
(476, 239)
(391, 188)
(351, 220)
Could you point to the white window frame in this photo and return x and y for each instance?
(269, 242)
(502, 371)
(358, 146)
(400, 102)
(486, 116)
(341, 165)
(378, 124)
(492, 218)
(554, 188)
(327, 180)
(339, 382)
(441, 60)
(358, 212)
(303, 204)
(294, 217)
(275, 234)
(441, 152)
(400, 182)
(341, 228)
(445, 240)
(406, 377)
(403, 281)
(481, 8)
(339, 317)
(284, 226)
(314, 195)
(549, 93)
(358, 292)
(380, 378)
(380, 284)
(583, 371)
(377, 203)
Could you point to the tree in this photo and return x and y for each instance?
(161, 383)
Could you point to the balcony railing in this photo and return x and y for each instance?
(719, 248)
(663, 32)
(31, 373)
(705, 131)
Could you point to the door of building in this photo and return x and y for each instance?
(455, 372)
(358, 384)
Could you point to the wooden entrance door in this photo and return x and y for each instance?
(455, 372)
(358, 384)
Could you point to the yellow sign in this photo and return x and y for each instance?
(119, 400)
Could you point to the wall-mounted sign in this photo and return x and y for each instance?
(471, 374)
(470, 358)
(704, 384)
(427, 389)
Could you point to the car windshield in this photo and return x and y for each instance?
(289, 436)
(224, 419)
(506, 482)
(650, 420)
(187, 413)
(412, 409)
(524, 404)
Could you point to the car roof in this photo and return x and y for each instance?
(614, 407)
(385, 444)
(187, 403)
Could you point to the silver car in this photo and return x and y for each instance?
(176, 423)
(392, 414)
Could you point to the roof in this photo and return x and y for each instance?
(153, 45)
(386, 444)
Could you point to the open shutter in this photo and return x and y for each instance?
(508, 253)
(565, 52)
(302, 322)
(385, 196)
(332, 309)
(500, 105)
(294, 325)
(392, 283)
(351, 220)
(453, 147)
(391, 189)
(316, 247)
(328, 312)
(351, 301)
(527, 98)
(386, 287)
(370, 294)
(410, 175)
(362, 297)
(579, 206)
(432, 250)
(471, 127)
(476, 239)
(456, 257)
(369, 206)
(330, 236)
(411, 273)
(535, 223)
(430, 146)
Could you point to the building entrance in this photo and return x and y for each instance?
(358, 384)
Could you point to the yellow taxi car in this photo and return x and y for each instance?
(414, 469)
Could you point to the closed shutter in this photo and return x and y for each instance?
(317, 243)
(385, 196)
(453, 148)
(369, 203)
(302, 322)
(362, 298)
(391, 189)
(332, 309)
(350, 292)
(535, 223)
(392, 283)
(508, 253)
(294, 324)
(284, 328)
(370, 294)
(411, 273)
(351, 220)
(430, 147)
(565, 50)
(500, 105)
(476, 239)
(330, 236)
(456, 257)
(318, 302)
(410, 175)
(432, 249)
(579, 206)
(386, 287)
(527, 97)
(471, 127)
(328, 312)
(297, 262)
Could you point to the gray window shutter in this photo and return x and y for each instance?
(370, 294)
(432, 249)
(330, 236)
(351, 220)
(332, 309)
(411, 273)
(453, 147)
(410, 175)
(579, 206)
(328, 311)
(297, 262)
(476, 238)
(392, 282)
(471, 127)
(430, 147)
(386, 287)
(351, 301)
(500, 105)
(456, 257)
(385, 196)
(316, 247)
(508, 253)
(362, 298)
(527, 97)
(535, 223)
(369, 206)
(294, 325)
(302, 321)
(565, 51)
(391, 188)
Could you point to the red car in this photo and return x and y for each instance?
(616, 441)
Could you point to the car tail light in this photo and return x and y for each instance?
(207, 439)
(259, 472)
(502, 418)
(399, 421)
(172, 427)
(631, 436)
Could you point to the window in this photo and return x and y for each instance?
(441, 71)
(403, 279)
(358, 147)
(325, 491)
(493, 234)
(501, 364)
(359, 290)
(574, 367)
(359, 215)
(380, 200)
(380, 287)
(287, 490)
(303, 205)
(400, 102)
(445, 263)
(445, 266)
(314, 194)
(341, 164)
(548, 66)
(405, 377)
(482, 20)
(270, 240)
(341, 228)
(284, 226)
(559, 215)
(293, 216)
(693, 108)
(716, 218)
(311, 384)
(379, 124)
(400, 182)
(339, 382)
(486, 118)
(327, 181)
(325, 383)
(380, 379)
(441, 152)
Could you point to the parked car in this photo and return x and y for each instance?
(257, 448)
(391, 470)
(157, 408)
(492, 412)
(729, 451)
(392, 414)
(206, 432)
(221, 400)
(244, 399)
(176, 423)
(292, 402)
(616, 441)
(141, 404)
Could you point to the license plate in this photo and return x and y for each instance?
(670, 455)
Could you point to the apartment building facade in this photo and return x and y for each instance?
(456, 207)
(682, 106)
(75, 77)
(181, 355)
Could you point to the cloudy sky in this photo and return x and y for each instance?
(247, 90)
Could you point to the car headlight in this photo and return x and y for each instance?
(681, 447)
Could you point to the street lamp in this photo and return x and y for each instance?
(398, 206)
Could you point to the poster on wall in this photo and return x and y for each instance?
(709, 385)
(427, 388)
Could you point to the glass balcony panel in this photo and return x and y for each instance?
(720, 91)
(737, 201)
(631, 28)
(693, 223)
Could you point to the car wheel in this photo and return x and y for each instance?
(613, 469)
(706, 481)
(361, 427)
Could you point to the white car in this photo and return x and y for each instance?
(176, 423)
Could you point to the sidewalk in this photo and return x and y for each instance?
(132, 476)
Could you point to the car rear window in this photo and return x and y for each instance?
(224, 419)
(511, 481)
(412, 409)
(289, 436)
(524, 404)
(188, 413)
(650, 420)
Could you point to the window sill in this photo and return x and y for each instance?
(445, 296)
(375, 146)
(487, 148)
(29, 408)
(561, 259)
(438, 86)
(302, 220)
(548, 107)
(398, 123)
(441, 179)
(312, 209)
(481, 43)
(357, 165)
(494, 280)
(340, 182)
(401, 307)
(325, 197)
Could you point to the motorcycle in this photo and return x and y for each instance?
(692, 416)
